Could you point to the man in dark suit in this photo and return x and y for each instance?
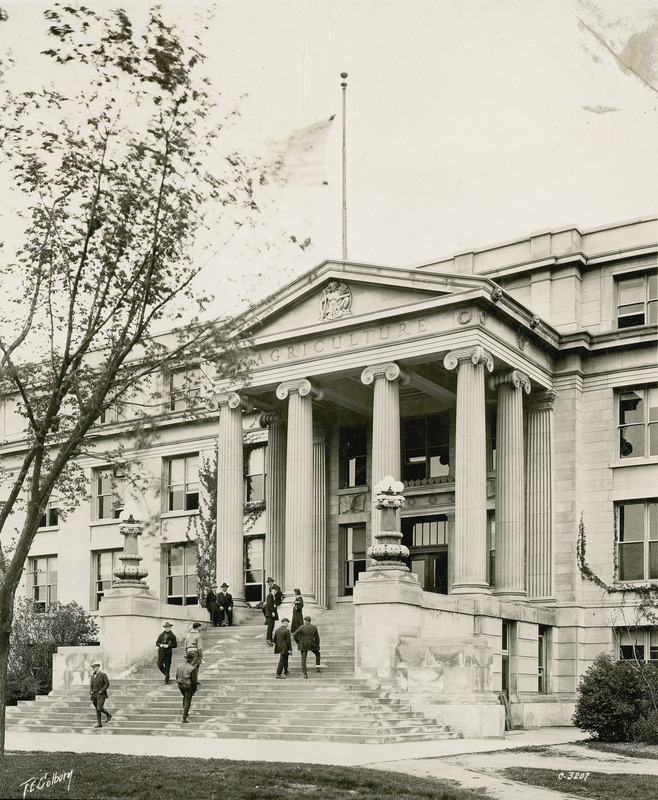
(165, 643)
(278, 594)
(271, 615)
(187, 682)
(225, 603)
(282, 646)
(213, 609)
(308, 638)
(98, 687)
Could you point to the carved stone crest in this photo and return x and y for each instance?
(336, 301)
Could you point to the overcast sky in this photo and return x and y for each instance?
(469, 122)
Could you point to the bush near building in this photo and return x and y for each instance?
(35, 637)
(617, 701)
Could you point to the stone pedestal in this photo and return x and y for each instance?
(130, 622)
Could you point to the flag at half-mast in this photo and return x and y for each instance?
(300, 157)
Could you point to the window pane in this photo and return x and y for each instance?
(359, 541)
(653, 286)
(653, 520)
(653, 560)
(631, 522)
(176, 471)
(175, 561)
(631, 441)
(631, 561)
(630, 290)
(631, 408)
(653, 439)
(175, 586)
(176, 499)
(191, 501)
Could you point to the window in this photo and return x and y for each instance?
(108, 492)
(50, 519)
(638, 423)
(638, 540)
(352, 449)
(637, 300)
(491, 549)
(426, 447)
(254, 574)
(354, 543)
(42, 581)
(637, 644)
(184, 389)
(181, 575)
(508, 657)
(104, 564)
(492, 417)
(254, 483)
(543, 642)
(183, 483)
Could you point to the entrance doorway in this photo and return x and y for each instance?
(427, 540)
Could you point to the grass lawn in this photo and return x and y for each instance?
(631, 749)
(118, 777)
(596, 785)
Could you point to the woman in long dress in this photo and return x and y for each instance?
(297, 615)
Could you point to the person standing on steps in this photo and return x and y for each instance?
(225, 603)
(297, 605)
(213, 608)
(165, 643)
(271, 615)
(98, 687)
(283, 647)
(186, 680)
(308, 639)
(278, 594)
(194, 646)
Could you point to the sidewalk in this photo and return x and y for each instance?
(349, 755)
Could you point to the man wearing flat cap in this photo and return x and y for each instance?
(98, 687)
(165, 643)
(225, 603)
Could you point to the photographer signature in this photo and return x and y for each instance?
(47, 780)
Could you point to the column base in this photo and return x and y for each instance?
(510, 595)
(470, 588)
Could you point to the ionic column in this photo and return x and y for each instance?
(275, 496)
(319, 521)
(230, 494)
(299, 486)
(510, 485)
(386, 455)
(470, 470)
(539, 496)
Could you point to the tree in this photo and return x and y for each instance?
(112, 184)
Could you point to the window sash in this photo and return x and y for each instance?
(637, 549)
(183, 483)
(181, 579)
(637, 300)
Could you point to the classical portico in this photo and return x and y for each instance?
(456, 356)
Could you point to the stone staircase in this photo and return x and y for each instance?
(240, 698)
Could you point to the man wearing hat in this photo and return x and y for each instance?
(98, 692)
(283, 647)
(225, 603)
(186, 680)
(273, 587)
(165, 643)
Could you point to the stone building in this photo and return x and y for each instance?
(512, 389)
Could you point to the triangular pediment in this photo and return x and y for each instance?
(335, 292)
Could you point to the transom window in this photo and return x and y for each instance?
(181, 575)
(183, 483)
(638, 540)
(426, 447)
(184, 389)
(638, 423)
(352, 448)
(637, 644)
(637, 300)
(42, 581)
(109, 487)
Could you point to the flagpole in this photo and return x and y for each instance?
(343, 75)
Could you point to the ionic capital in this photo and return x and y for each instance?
(302, 387)
(268, 418)
(515, 378)
(389, 371)
(475, 354)
(231, 400)
(542, 401)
